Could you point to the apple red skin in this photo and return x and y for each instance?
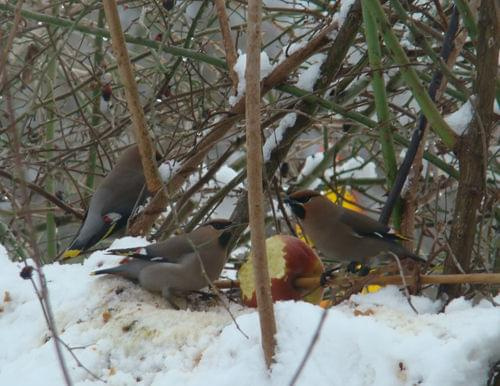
(300, 261)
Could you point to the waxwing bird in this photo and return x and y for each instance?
(113, 202)
(342, 234)
(177, 265)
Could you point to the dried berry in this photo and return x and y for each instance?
(106, 92)
(284, 169)
(6, 297)
(106, 315)
(26, 272)
(168, 4)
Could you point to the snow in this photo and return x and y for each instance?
(168, 169)
(308, 77)
(449, 158)
(310, 164)
(459, 120)
(355, 167)
(273, 140)
(344, 10)
(127, 336)
(340, 17)
(192, 10)
(240, 67)
(222, 177)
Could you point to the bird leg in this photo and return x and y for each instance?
(358, 268)
(204, 295)
(175, 299)
(328, 275)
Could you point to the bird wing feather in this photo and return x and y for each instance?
(363, 225)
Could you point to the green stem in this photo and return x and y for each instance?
(381, 105)
(468, 18)
(363, 120)
(49, 137)
(438, 124)
(325, 163)
(421, 40)
(427, 77)
(6, 238)
(96, 108)
(65, 23)
(187, 41)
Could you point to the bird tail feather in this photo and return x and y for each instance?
(129, 252)
(111, 271)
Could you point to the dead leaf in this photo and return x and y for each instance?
(106, 315)
(368, 312)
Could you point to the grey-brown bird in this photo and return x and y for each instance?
(178, 264)
(342, 234)
(113, 202)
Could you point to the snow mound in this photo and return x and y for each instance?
(127, 336)
(460, 120)
(240, 68)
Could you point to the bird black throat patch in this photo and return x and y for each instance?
(298, 210)
(224, 238)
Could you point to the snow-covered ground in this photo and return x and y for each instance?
(127, 336)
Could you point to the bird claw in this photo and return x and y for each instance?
(326, 276)
(358, 268)
(174, 300)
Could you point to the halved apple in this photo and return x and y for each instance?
(288, 258)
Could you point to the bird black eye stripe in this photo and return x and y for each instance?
(303, 199)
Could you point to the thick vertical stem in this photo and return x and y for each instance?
(49, 138)
(98, 56)
(255, 188)
(472, 148)
(429, 109)
(381, 104)
(148, 153)
(227, 40)
(146, 149)
(418, 133)
(41, 290)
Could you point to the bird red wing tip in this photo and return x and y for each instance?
(124, 252)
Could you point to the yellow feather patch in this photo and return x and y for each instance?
(70, 253)
(402, 237)
(108, 232)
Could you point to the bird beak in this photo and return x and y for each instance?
(69, 254)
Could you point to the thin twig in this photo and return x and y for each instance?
(403, 279)
(256, 200)
(146, 148)
(228, 41)
(41, 291)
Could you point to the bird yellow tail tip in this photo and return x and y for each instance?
(70, 253)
